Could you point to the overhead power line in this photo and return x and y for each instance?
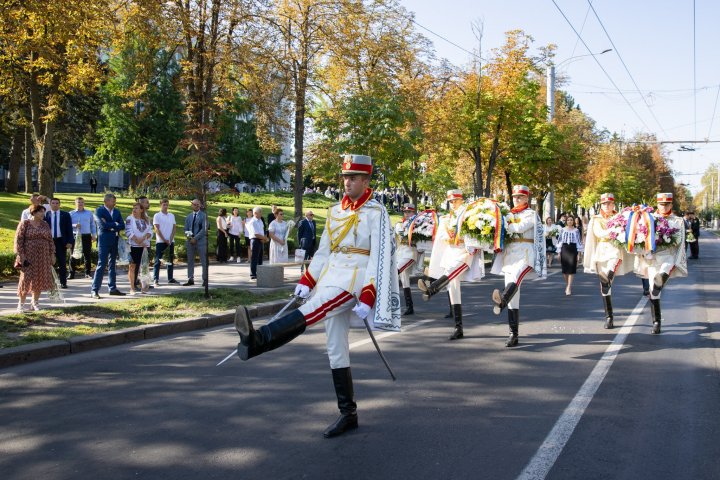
(448, 41)
(601, 67)
(617, 51)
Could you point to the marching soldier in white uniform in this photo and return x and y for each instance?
(602, 257)
(523, 257)
(352, 276)
(451, 262)
(666, 262)
(407, 255)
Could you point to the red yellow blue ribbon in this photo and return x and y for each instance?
(638, 213)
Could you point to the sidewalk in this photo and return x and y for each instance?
(229, 275)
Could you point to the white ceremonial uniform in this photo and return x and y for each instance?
(353, 260)
(519, 258)
(407, 255)
(451, 260)
(669, 260)
(601, 255)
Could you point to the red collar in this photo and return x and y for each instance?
(520, 209)
(347, 203)
(607, 215)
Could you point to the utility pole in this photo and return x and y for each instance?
(549, 204)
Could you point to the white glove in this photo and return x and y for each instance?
(471, 250)
(302, 291)
(362, 310)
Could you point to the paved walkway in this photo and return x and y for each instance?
(233, 275)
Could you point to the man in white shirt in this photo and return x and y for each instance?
(257, 238)
(165, 227)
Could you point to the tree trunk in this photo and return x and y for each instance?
(28, 160)
(494, 153)
(508, 186)
(477, 184)
(46, 180)
(15, 158)
(300, 92)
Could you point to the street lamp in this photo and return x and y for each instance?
(549, 205)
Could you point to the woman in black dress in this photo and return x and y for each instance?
(569, 243)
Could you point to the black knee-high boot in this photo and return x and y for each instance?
(450, 312)
(457, 315)
(606, 282)
(434, 287)
(607, 300)
(408, 301)
(268, 337)
(656, 315)
(342, 379)
(514, 324)
(502, 299)
(659, 282)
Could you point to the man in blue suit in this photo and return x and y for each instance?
(62, 232)
(306, 234)
(109, 223)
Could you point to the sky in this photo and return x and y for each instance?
(670, 52)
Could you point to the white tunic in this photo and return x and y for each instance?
(520, 252)
(599, 250)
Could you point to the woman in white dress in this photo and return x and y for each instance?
(278, 238)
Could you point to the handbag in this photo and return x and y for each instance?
(299, 255)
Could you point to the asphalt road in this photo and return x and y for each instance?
(573, 401)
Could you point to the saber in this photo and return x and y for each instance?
(377, 347)
(293, 299)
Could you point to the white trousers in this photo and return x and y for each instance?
(405, 266)
(515, 275)
(334, 306)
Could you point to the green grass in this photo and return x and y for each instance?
(63, 323)
(11, 205)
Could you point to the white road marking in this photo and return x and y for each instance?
(550, 450)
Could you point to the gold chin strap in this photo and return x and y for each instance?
(340, 232)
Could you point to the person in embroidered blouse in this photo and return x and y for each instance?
(352, 278)
(138, 229)
(569, 244)
(550, 241)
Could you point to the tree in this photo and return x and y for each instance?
(49, 50)
(142, 119)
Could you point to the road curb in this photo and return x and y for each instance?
(59, 348)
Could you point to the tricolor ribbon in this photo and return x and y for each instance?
(638, 213)
(499, 236)
(461, 219)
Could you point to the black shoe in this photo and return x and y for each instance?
(117, 293)
(646, 293)
(344, 423)
(348, 420)
(656, 328)
(72, 276)
(609, 323)
(188, 283)
(64, 285)
(172, 280)
(512, 340)
(514, 324)
(94, 295)
(88, 275)
(253, 278)
(409, 310)
(204, 284)
(458, 330)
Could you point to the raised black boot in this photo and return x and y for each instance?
(607, 300)
(424, 283)
(457, 315)
(606, 282)
(659, 282)
(514, 324)
(502, 299)
(656, 315)
(450, 311)
(268, 337)
(434, 287)
(408, 302)
(348, 420)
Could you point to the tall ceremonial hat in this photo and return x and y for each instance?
(455, 194)
(520, 190)
(664, 198)
(356, 164)
(607, 197)
(409, 207)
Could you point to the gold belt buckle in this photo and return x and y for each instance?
(344, 249)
